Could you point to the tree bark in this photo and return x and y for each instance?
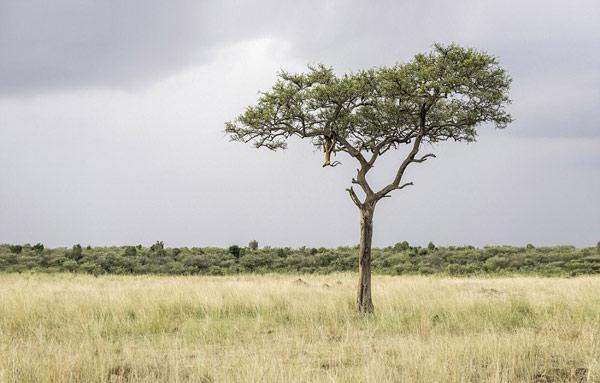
(364, 302)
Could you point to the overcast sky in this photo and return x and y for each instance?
(112, 113)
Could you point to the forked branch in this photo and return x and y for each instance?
(398, 188)
(354, 197)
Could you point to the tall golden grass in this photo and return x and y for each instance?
(279, 328)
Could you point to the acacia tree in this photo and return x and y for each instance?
(437, 96)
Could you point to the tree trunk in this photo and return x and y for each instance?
(363, 299)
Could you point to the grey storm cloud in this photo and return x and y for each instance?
(73, 43)
(551, 49)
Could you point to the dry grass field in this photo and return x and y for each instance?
(277, 328)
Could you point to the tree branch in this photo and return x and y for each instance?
(408, 160)
(398, 188)
(351, 149)
(354, 197)
(424, 158)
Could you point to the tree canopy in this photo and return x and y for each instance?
(441, 95)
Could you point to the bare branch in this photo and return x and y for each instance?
(409, 158)
(354, 197)
(398, 188)
(424, 158)
(361, 178)
(403, 186)
(333, 164)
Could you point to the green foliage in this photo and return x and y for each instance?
(235, 251)
(437, 96)
(38, 247)
(495, 263)
(402, 246)
(16, 249)
(158, 249)
(398, 259)
(130, 251)
(431, 246)
(158, 246)
(77, 252)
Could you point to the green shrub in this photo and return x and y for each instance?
(235, 251)
(401, 246)
(464, 260)
(454, 269)
(159, 245)
(495, 263)
(38, 247)
(130, 251)
(69, 265)
(16, 249)
(76, 252)
(426, 270)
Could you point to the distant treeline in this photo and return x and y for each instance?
(398, 259)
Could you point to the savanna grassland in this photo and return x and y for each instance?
(286, 328)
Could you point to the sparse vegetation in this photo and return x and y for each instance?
(290, 328)
(400, 259)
